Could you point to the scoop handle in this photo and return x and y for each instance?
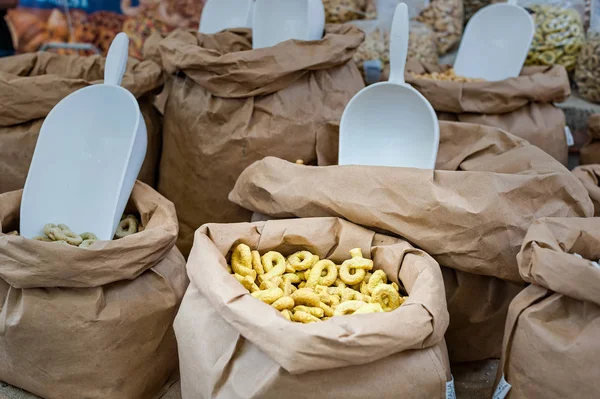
(399, 44)
(116, 60)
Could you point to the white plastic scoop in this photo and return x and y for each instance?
(390, 123)
(87, 157)
(218, 15)
(495, 42)
(276, 21)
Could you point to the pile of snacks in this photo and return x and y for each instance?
(375, 47)
(587, 72)
(341, 11)
(306, 289)
(558, 37)
(62, 234)
(421, 43)
(448, 75)
(445, 17)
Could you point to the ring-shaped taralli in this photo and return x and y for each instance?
(285, 302)
(306, 296)
(268, 296)
(348, 307)
(274, 265)
(126, 227)
(387, 297)
(302, 260)
(48, 229)
(257, 263)
(369, 308)
(86, 243)
(42, 238)
(66, 235)
(317, 312)
(378, 277)
(350, 275)
(88, 236)
(247, 282)
(241, 261)
(315, 277)
(303, 317)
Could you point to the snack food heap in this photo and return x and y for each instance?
(448, 75)
(307, 289)
(62, 234)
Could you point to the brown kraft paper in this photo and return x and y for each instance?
(590, 152)
(471, 214)
(94, 322)
(522, 106)
(32, 84)
(232, 345)
(229, 106)
(589, 177)
(555, 322)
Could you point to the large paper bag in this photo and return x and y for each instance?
(550, 345)
(523, 106)
(471, 214)
(32, 84)
(232, 345)
(229, 105)
(93, 322)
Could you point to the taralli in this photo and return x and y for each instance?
(558, 37)
(241, 261)
(421, 43)
(387, 297)
(302, 260)
(587, 71)
(340, 11)
(315, 277)
(315, 290)
(127, 227)
(445, 17)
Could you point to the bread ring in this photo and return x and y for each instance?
(353, 271)
(274, 265)
(257, 263)
(315, 277)
(387, 297)
(66, 235)
(268, 296)
(327, 310)
(48, 229)
(86, 243)
(285, 302)
(306, 296)
(302, 260)
(379, 277)
(241, 261)
(317, 312)
(127, 227)
(348, 307)
(303, 317)
(273, 283)
(88, 236)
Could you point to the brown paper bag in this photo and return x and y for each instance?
(232, 345)
(551, 346)
(32, 84)
(230, 105)
(95, 322)
(471, 214)
(522, 106)
(590, 152)
(589, 177)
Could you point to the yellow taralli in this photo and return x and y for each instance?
(305, 289)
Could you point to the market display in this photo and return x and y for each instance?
(101, 318)
(589, 175)
(482, 173)
(306, 358)
(421, 43)
(306, 289)
(558, 37)
(587, 75)
(554, 322)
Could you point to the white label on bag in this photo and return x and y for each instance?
(450, 392)
(569, 136)
(502, 389)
